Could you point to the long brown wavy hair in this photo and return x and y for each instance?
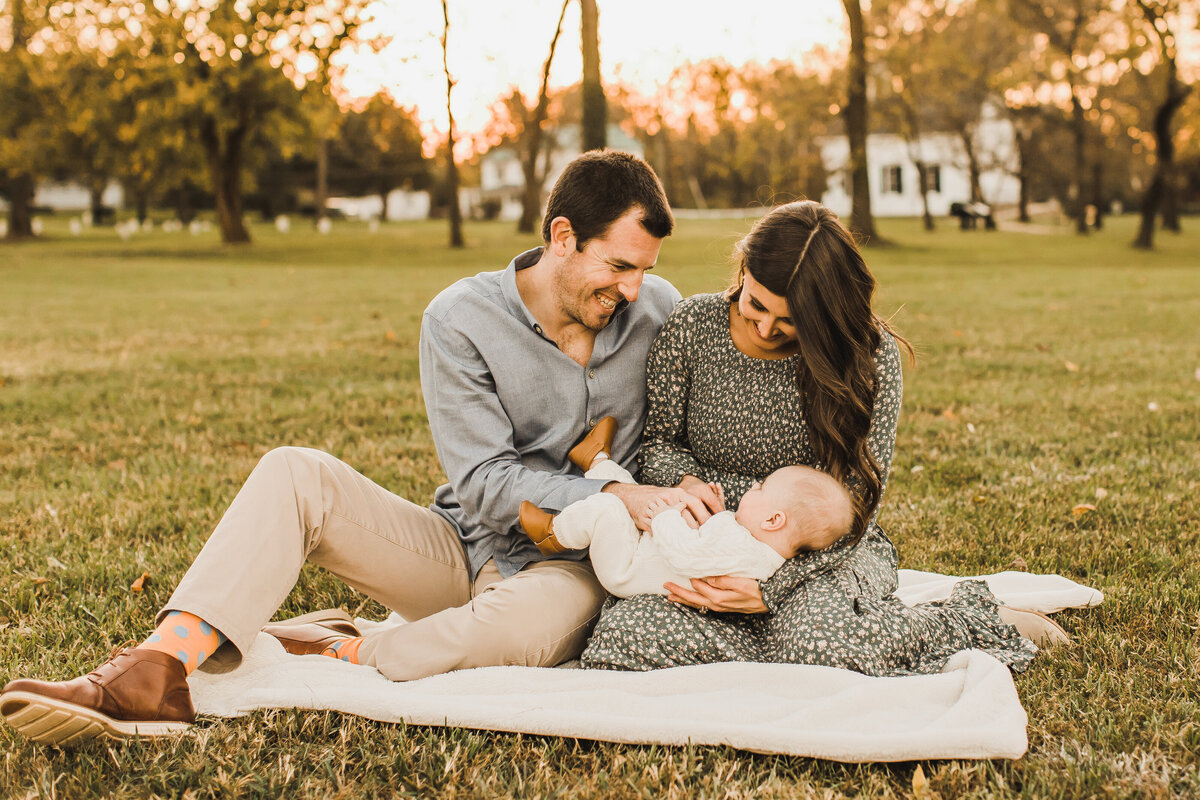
(803, 253)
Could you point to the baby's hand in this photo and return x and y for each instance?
(661, 504)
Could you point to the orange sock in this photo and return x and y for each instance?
(344, 650)
(185, 636)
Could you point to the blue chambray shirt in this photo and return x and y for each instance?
(505, 405)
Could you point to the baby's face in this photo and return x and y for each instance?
(759, 504)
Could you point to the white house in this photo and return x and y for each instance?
(71, 196)
(501, 178)
(895, 188)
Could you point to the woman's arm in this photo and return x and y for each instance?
(666, 456)
(889, 393)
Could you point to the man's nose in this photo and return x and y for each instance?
(631, 285)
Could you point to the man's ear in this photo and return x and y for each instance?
(562, 237)
(775, 522)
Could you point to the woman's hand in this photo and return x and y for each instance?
(710, 494)
(721, 593)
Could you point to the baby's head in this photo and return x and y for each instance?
(796, 509)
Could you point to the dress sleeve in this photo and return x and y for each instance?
(889, 393)
(666, 455)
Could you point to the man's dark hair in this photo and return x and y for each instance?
(599, 187)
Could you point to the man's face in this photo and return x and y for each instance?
(590, 283)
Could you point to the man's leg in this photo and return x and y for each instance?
(296, 504)
(541, 616)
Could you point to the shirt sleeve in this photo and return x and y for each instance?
(666, 455)
(474, 436)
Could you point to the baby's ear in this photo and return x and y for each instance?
(775, 522)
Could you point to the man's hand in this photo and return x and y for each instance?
(722, 593)
(638, 500)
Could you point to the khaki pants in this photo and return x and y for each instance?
(300, 504)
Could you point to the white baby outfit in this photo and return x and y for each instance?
(629, 562)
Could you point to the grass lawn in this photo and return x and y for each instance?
(140, 382)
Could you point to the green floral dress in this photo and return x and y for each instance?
(723, 416)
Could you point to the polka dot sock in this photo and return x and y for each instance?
(344, 650)
(185, 636)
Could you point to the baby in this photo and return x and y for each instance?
(795, 509)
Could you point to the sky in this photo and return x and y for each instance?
(496, 44)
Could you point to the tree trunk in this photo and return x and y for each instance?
(1098, 194)
(923, 178)
(855, 115)
(968, 142)
(1079, 131)
(1170, 205)
(531, 198)
(20, 203)
(141, 203)
(456, 231)
(384, 191)
(184, 210)
(321, 194)
(1150, 202)
(595, 107)
(225, 163)
(96, 199)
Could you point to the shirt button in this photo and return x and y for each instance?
(592, 422)
(537, 328)
(591, 373)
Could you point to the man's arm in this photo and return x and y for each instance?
(474, 435)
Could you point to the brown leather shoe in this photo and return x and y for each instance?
(309, 634)
(135, 694)
(539, 526)
(598, 440)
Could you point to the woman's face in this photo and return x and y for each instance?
(768, 321)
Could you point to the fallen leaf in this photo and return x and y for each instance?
(958, 334)
(1082, 509)
(978, 499)
(970, 427)
(55, 563)
(1042, 348)
(39, 581)
(1197, 376)
(1071, 366)
(390, 336)
(1018, 564)
(948, 413)
(1101, 493)
(266, 323)
(1152, 406)
(118, 465)
(919, 783)
(140, 583)
(918, 468)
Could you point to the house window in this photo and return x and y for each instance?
(933, 178)
(892, 183)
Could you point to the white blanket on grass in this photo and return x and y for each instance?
(970, 710)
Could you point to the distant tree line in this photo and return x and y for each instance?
(230, 103)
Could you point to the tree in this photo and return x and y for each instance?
(25, 121)
(531, 137)
(595, 107)
(456, 232)
(855, 115)
(235, 67)
(378, 149)
(1161, 17)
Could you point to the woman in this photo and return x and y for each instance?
(789, 366)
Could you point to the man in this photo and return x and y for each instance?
(514, 366)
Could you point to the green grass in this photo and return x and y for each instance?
(140, 382)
